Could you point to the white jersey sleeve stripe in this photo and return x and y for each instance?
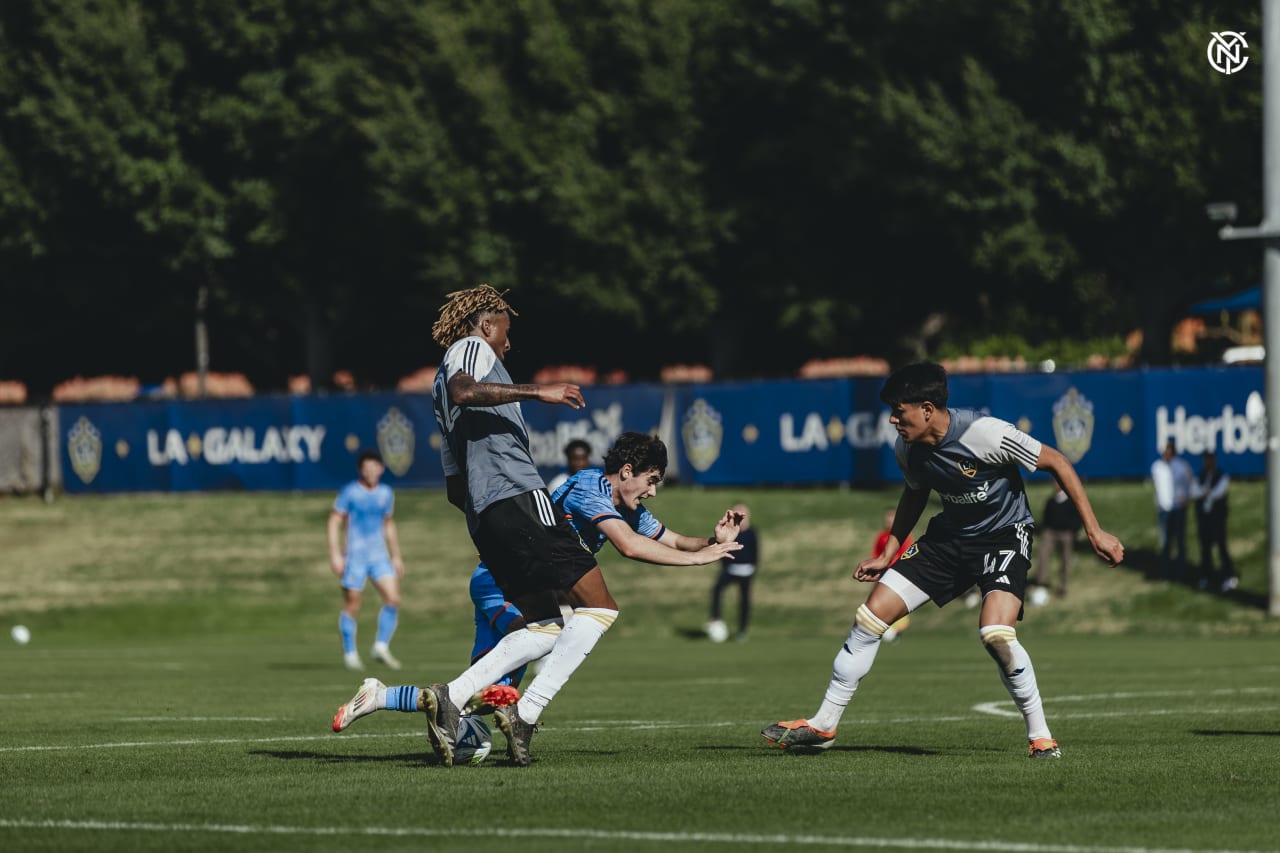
(1019, 452)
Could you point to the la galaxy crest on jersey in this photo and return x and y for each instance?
(967, 467)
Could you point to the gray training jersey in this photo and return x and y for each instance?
(489, 445)
(974, 469)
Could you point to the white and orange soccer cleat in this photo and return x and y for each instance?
(1043, 747)
(364, 702)
(797, 733)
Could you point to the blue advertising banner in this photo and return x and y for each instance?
(1109, 424)
(287, 443)
(767, 432)
(611, 410)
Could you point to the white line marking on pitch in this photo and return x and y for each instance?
(1006, 708)
(591, 834)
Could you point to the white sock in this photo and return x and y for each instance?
(576, 641)
(1018, 675)
(853, 662)
(512, 652)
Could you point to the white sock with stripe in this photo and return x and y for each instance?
(1018, 675)
(576, 641)
(852, 663)
(512, 652)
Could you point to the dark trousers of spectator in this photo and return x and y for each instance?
(1173, 538)
(744, 588)
(1055, 541)
(1211, 527)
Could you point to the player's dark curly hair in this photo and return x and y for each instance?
(464, 310)
(916, 383)
(368, 454)
(639, 450)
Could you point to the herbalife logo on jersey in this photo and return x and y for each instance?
(1230, 432)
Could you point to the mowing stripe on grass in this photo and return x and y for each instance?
(988, 708)
(591, 834)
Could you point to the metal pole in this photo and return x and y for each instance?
(1271, 281)
(1268, 231)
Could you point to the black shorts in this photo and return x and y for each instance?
(945, 567)
(529, 547)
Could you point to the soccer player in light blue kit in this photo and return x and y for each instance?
(372, 553)
(604, 505)
(982, 536)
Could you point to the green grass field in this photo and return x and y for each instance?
(185, 664)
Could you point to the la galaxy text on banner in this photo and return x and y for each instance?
(282, 443)
(1110, 424)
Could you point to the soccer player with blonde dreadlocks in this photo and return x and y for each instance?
(533, 553)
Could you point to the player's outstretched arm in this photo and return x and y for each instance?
(727, 530)
(662, 552)
(910, 507)
(1106, 546)
(465, 391)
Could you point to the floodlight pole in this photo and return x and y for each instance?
(1269, 232)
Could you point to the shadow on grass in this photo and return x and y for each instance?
(897, 750)
(691, 633)
(1146, 562)
(1232, 733)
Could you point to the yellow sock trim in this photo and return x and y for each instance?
(869, 621)
(604, 617)
(997, 634)
(551, 628)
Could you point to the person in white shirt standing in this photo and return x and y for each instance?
(1173, 480)
(1210, 493)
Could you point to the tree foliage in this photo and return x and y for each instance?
(656, 181)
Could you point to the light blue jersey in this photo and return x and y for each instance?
(586, 499)
(366, 511)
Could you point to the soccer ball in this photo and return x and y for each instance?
(475, 740)
(1038, 596)
(717, 631)
(20, 635)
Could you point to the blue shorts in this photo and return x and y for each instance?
(494, 614)
(357, 573)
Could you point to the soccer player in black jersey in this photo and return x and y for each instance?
(982, 536)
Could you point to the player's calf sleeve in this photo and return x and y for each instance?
(577, 640)
(347, 627)
(852, 663)
(387, 618)
(400, 698)
(1018, 675)
(514, 650)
